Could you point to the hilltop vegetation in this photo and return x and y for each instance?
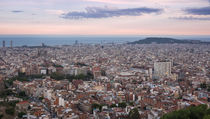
(160, 40)
(192, 112)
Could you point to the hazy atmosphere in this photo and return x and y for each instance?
(104, 59)
(105, 17)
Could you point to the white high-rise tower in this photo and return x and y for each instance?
(162, 69)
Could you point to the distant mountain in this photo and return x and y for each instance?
(159, 40)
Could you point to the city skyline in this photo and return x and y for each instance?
(105, 17)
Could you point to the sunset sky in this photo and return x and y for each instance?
(105, 17)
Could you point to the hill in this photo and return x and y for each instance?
(192, 112)
(160, 40)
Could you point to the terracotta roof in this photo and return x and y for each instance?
(23, 102)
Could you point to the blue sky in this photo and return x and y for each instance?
(105, 17)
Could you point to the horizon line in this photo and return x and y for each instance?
(98, 35)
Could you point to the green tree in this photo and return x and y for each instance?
(208, 89)
(29, 107)
(41, 98)
(198, 112)
(203, 85)
(20, 115)
(207, 117)
(96, 106)
(80, 76)
(1, 116)
(113, 105)
(134, 114)
(12, 103)
(10, 111)
(131, 103)
(122, 105)
(103, 73)
(57, 76)
(181, 114)
(192, 112)
(208, 111)
(22, 94)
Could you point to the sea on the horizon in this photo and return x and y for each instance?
(53, 40)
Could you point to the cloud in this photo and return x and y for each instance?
(151, 2)
(97, 12)
(198, 11)
(116, 1)
(17, 11)
(191, 18)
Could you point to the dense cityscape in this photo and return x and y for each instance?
(102, 81)
(104, 59)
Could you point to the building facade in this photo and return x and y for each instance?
(162, 69)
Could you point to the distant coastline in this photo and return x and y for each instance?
(55, 40)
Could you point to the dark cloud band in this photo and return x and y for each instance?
(191, 18)
(199, 11)
(17, 11)
(96, 12)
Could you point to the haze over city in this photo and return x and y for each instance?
(104, 59)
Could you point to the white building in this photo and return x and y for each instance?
(48, 94)
(43, 71)
(61, 101)
(162, 69)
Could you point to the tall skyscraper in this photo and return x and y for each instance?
(162, 69)
(11, 43)
(76, 42)
(43, 45)
(3, 44)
